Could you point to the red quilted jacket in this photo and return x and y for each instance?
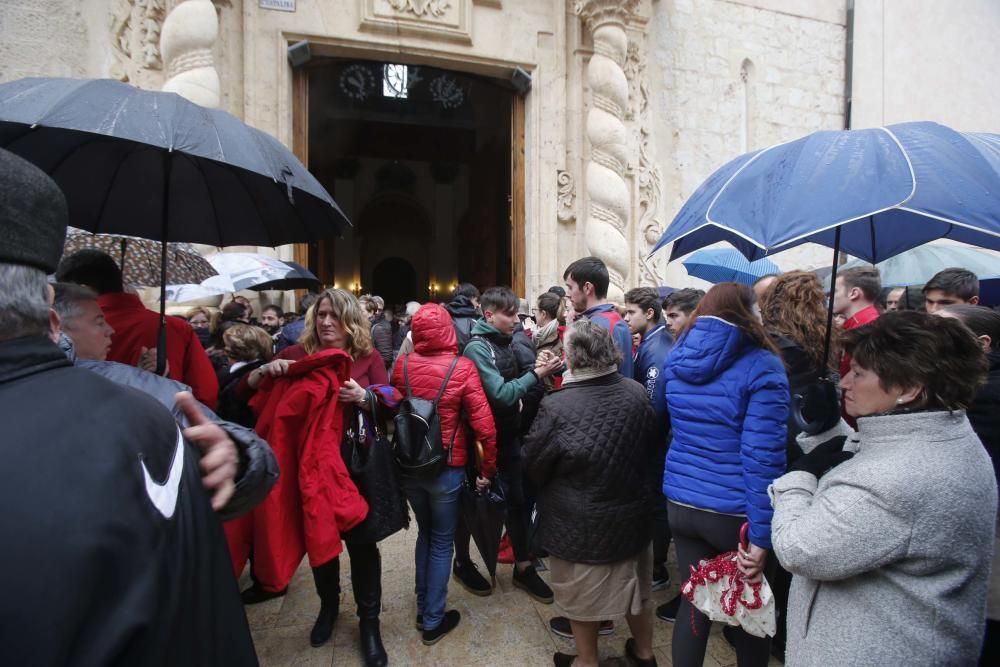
(314, 500)
(435, 346)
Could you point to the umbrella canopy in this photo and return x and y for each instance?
(720, 265)
(139, 259)
(917, 266)
(260, 272)
(152, 164)
(214, 286)
(885, 189)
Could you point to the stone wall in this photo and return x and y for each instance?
(54, 38)
(730, 77)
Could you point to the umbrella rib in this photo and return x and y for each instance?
(238, 173)
(107, 194)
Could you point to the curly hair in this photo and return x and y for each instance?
(907, 349)
(352, 316)
(794, 307)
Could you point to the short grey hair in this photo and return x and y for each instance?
(411, 308)
(24, 301)
(67, 301)
(589, 345)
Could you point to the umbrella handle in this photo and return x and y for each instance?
(480, 457)
(745, 535)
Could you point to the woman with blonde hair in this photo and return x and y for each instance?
(335, 353)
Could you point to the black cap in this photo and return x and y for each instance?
(33, 215)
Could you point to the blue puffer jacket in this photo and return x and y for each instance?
(728, 402)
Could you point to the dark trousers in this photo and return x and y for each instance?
(511, 477)
(366, 580)
(661, 533)
(699, 535)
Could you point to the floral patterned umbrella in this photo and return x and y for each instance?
(139, 259)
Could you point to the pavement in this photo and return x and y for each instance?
(506, 629)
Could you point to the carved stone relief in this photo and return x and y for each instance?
(566, 201)
(648, 176)
(449, 20)
(135, 41)
(434, 8)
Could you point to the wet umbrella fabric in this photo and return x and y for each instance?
(139, 259)
(127, 157)
(885, 190)
(719, 265)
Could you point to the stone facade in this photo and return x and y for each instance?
(633, 102)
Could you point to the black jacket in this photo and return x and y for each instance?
(381, 331)
(113, 554)
(984, 414)
(463, 314)
(590, 453)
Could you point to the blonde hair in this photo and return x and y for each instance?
(212, 315)
(353, 319)
(244, 342)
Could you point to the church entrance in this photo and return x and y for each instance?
(422, 162)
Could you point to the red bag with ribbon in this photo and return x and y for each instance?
(718, 590)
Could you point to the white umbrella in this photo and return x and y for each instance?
(253, 271)
(917, 266)
(213, 286)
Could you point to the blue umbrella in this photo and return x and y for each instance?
(917, 266)
(719, 265)
(873, 193)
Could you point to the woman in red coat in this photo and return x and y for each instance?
(336, 324)
(463, 407)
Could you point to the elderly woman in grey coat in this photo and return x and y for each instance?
(589, 452)
(889, 531)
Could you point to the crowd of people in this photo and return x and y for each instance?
(862, 461)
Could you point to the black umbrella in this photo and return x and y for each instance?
(152, 164)
(298, 278)
(484, 514)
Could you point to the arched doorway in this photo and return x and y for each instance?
(395, 280)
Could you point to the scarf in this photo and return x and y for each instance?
(584, 374)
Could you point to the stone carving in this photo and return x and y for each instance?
(435, 8)
(648, 176)
(135, 40)
(566, 202)
(188, 35)
(610, 201)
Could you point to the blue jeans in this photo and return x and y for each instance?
(435, 504)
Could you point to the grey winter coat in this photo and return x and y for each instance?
(258, 471)
(891, 550)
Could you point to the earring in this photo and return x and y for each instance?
(899, 401)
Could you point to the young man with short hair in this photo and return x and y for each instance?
(587, 283)
(507, 382)
(949, 287)
(677, 308)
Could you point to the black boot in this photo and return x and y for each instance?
(327, 578)
(366, 580)
(371, 644)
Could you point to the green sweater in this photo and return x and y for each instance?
(499, 391)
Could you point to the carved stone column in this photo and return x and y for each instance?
(610, 201)
(186, 40)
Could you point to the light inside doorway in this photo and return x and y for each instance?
(394, 82)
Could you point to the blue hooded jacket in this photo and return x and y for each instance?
(728, 401)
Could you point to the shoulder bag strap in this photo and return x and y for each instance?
(406, 376)
(454, 362)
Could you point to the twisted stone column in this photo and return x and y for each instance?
(610, 202)
(186, 40)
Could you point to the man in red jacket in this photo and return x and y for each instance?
(137, 328)
(854, 298)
